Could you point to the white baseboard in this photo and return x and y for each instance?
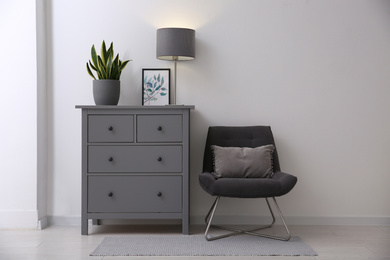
(317, 221)
(64, 220)
(236, 220)
(340, 221)
(23, 219)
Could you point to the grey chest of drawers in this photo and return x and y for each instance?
(135, 163)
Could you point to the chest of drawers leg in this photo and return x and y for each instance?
(135, 163)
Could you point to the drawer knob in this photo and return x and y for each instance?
(159, 128)
(110, 159)
(159, 159)
(110, 128)
(159, 194)
(110, 194)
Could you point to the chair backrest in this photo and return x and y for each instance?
(238, 136)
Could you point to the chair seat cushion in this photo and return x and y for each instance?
(280, 184)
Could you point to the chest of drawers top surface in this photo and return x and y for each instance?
(148, 108)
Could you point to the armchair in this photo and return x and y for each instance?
(274, 185)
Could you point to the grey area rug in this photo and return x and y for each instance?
(196, 245)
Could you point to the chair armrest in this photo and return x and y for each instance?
(206, 179)
(286, 180)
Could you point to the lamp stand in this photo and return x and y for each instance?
(175, 58)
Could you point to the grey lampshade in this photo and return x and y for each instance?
(175, 44)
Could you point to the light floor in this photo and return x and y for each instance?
(65, 242)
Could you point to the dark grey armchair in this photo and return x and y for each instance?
(278, 184)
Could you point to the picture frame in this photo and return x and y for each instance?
(156, 87)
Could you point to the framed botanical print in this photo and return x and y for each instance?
(155, 87)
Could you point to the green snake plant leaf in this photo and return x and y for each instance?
(123, 65)
(90, 72)
(94, 56)
(109, 66)
(115, 74)
(116, 60)
(109, 55)
(92, 67)
(103, 53)
(102, 69)
(111, 50)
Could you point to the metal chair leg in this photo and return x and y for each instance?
(251, 231)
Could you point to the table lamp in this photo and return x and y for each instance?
(176, 44)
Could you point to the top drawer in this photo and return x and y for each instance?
(111, 128)
(159, 128)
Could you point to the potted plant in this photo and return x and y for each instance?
(106, 89)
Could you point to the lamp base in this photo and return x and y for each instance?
(174, 82)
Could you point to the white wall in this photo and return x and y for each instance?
(18, 131)
(316, 71)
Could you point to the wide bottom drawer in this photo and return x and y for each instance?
(134, 194)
